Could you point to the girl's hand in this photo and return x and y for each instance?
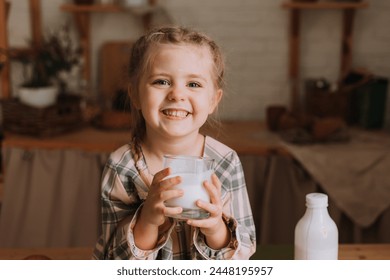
(154, 211)
(214, 228)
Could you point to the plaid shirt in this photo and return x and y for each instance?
(123, 193)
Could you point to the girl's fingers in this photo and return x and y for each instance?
(214, 207)
(169, 194)
(160, 181)
(161, 174)
(170, 182)
(216, 182)
(171, 211)
(214, 193)
(211, 208)
(204, 223)
(200, 223)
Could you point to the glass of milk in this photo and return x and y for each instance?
(193, 172)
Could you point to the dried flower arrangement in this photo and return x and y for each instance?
(46, 63)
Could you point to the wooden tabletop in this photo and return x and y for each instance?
(87, 139)
(270, 252)
(246, 137)
(346, 252)
(364, 252)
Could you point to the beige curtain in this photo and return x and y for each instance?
(51, 198)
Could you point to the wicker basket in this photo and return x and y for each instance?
(64, 116)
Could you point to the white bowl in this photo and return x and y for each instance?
(38, 97)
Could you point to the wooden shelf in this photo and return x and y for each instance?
(90, 8)
(295, 9)
(106, 8)
(325, 5)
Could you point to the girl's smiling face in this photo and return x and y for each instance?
(178, 91)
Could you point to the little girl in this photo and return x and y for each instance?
(176, 78)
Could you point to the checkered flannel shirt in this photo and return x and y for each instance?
(123, 193)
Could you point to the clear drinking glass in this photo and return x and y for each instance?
(193, 172)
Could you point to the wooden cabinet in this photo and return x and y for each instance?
(82, 14)
(295, 8)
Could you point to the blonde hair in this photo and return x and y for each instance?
(140, 60)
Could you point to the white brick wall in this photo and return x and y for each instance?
(253, 34)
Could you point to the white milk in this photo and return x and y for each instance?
(192, 185)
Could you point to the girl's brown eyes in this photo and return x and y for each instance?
(193, 84)
(167, 83)
(161, 82)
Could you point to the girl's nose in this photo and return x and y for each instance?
(176, 93)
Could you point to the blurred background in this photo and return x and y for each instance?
(253, 35)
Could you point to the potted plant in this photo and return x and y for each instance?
(45, 67)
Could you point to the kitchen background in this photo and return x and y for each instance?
(254, 36)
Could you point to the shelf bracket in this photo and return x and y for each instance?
(82, 20)
(347, 39)
(4, 61)
(294, 59)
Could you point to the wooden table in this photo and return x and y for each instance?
(87, 139)
(246, 137)
(269, 252)
(346, 252)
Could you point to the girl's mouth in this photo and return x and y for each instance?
(175, 113)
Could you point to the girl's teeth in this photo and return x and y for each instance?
(172, 113)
